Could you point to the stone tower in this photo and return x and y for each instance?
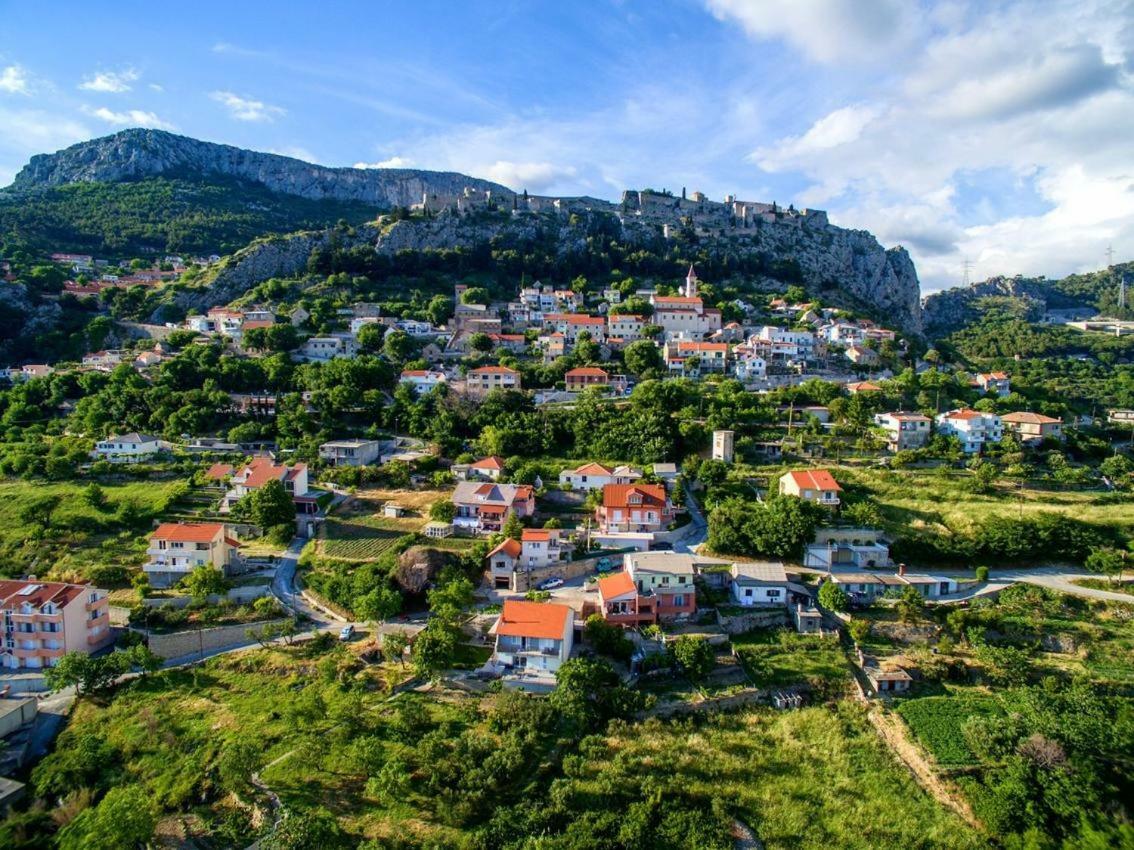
(691, 283)
(723, 446)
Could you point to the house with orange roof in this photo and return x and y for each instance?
(573, 324)
(620, 602)
(579, 379)
(856, 387)
(811, 485)
(972, 427)
(997, 383)
(682, 354)
(532, 638)
(625, 326)
(502, 561)
(553, 345)
(1033, 427)
(643, 508)
(484, 507)
(543, 547)
(255, 474)
(593, 476)
(679, 314)
(177, 548)
(482, 380)
(44, 620)
(422, 380)
(487, 468)
(218, 472)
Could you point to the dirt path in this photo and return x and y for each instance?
(893, 732)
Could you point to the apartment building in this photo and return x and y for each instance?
(44, 620)
(178, 548)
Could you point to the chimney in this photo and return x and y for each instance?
(901, 569)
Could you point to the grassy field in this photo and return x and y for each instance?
(814, 778)
(79, 538)
(780, 657)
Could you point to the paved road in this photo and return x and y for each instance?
(1061, 579)
(700, 528)
(285, 590)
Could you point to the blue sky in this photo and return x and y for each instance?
(997, 133)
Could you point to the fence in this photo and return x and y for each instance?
(238, 596)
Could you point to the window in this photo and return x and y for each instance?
(678, 601)
(748, 592)
(774, 594)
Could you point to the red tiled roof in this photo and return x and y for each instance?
(533, 619)
(188, 532)
(963, 414)
(616, 585)
(45, 591)
(592, 469)
(814, 479)
(261, 471)
(490, 462)
(586, 372)
(508, 546)
(257, 323)
(493, 370)
(218, 471)
(536, 534)
(618, 495)
(1026, 417)
(862, 387)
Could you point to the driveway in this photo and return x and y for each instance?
(699, 531)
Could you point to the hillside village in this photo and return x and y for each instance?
(693, 496)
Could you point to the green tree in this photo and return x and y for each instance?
(205, 581)
(378, 605)
(476, 295)
(859, 629)
(1106, 561)
(74, 669)
(398, 346)
(272, 505)
(695, 655)
(317, 828)
(832, 597)
(93, 496)
(589, 692)
(123, 819)
(442, 511)
(513, 527)
(394, 647)
(911, 607)
(434, 648)
(370, 337)
(481, 342)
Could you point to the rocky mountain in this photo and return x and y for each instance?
(1086, 294)
(138, 154)
(184, 185)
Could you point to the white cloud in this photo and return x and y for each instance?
(392, 162)
(1031, 91)
(110, 82)
(534, 176)
(156, 87)
(15, 80)
(129, 118)
(32, 131)
(826, 30)
(247, 109)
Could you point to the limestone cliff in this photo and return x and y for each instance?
(137, 154)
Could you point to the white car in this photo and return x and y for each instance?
(551, 583)
(346, 633)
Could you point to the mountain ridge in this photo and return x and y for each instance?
(136, 154)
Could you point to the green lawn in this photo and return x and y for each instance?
(78, 539)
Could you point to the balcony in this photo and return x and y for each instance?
(101, 621)
(90, 606)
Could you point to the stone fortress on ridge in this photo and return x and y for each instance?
(647, 206)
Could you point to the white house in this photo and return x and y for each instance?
(422, 380)
(595, 476)
(542, 547)
(321, 348)
(904, 430)
(127, 448)
(762, 583)
(971, 427)
(350, 452)
(533, 637)
(750, 366)
(861, 548)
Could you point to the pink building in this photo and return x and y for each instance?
(43, 620)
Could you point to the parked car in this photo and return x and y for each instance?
(603, 565)
(550, 583)
(346, 633)
(662, 547)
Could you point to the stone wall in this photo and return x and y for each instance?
(761, 618)
(181, 644)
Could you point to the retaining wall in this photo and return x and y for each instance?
(180, 644)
